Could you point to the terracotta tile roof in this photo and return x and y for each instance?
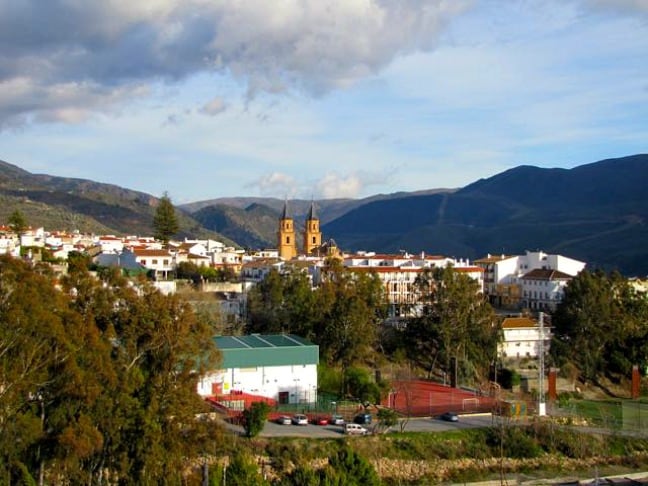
(493, 259)
(546, 274)
(518, 322)
(468, 269)
(151, 253)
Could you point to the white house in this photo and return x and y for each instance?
(159, 261)
(522, 338)
(282, 367)
(543, 289)
(503, 274)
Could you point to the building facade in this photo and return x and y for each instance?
(282, 367)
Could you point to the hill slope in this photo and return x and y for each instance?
(79, 204)
(596, 212)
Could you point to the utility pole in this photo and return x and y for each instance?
(542, 411)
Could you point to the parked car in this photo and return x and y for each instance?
(449, 417)
(299, 419)
(337, 420)
(362, 418)
(284, 420)
(355, 429)
(321, 420)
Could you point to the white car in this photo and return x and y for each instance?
(284, 420)
(337, 420)
(355, 429)
(299, 419)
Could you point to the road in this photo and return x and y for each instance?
(424, 424)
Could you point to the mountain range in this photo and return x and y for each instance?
(596, 213)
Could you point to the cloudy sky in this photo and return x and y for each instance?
(318, 98)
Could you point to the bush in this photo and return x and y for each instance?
(254, 418)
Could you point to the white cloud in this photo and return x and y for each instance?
(310, 46)
(275, 184)
(214, 107)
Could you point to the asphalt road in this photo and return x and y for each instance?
(424, 424)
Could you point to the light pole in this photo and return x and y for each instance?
(542, 410)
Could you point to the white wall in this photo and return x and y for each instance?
(300, 381)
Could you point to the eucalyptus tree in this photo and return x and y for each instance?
(455, 322)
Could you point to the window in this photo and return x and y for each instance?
(314, 240)
(287, 240)
(166, 262)
(154, 262)
(143, 262)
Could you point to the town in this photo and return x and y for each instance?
(314, 365)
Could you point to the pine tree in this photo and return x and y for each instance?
(165, 221)
(17, 222)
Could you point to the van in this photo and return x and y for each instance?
(354, 429)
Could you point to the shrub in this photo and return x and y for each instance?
(254, 418)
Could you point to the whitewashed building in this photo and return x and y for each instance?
(504, 274)
(522, 338)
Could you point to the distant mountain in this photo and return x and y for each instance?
(239, 218)
(250, 227)
(80, 204)
(596, 212)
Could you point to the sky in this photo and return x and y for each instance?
(318, 98)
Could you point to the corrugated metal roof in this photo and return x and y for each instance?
(266, 350)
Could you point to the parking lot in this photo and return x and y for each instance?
(424, 424)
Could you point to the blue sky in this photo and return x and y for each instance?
(318, 98)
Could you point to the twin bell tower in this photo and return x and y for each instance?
(287, 236)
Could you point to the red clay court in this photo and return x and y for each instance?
(422, 398)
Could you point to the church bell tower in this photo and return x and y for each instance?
(312, 233)
(287, 243)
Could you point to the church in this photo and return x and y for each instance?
(312, 242)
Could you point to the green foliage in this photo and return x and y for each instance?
(341, 316)
(98, 377)
(254, 418)
(349, 468)
(387, 418)
(456, 323)
(17, 222)
(508, 378)
(165, 221)
(243, 471)
(359, 384)
(600, 326)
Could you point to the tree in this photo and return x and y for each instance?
(387, 418)
(165, 222)
(600, 326)
(254, 418)
(17, 222)
(455, 323)
(283, 303)
(351, 307)
(98, 377)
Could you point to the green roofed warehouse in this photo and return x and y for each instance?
(282, 367)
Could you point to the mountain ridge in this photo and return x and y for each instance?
(596, 212)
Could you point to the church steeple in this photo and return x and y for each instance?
(286, 242)
(312, 233)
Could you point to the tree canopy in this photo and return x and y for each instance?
(165, 221)
(454, 323)
(97, 378)
(601, 326)
(342, 315)
(17, 222)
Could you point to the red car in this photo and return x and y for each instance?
(320, 421)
